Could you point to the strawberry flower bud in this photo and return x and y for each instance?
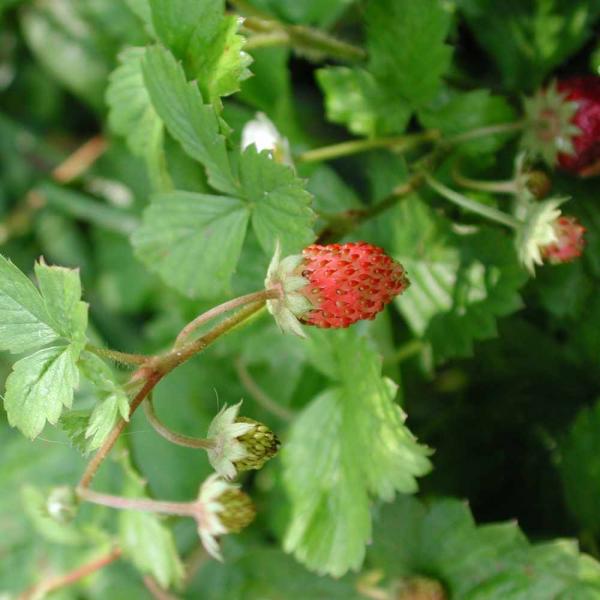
(333, 286)
(546, 235)
(239, 443)
(221, 508)
(62, 504)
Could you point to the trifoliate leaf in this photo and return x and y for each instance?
(407, 51)
(145, 540)
(133, 116)
(579, 466)
(453, 113)
(193, 240)
(354, 98)
(280, 204)
(460, 283)
(348, 445)
(529, 38)
(192, 123)
(39, 386)
(490, 562)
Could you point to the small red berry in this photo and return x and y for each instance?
(569, 243)
(348, 282)
(585, 91)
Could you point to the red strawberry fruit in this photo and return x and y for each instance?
(563, 124)
(334, 285)
(569, 242)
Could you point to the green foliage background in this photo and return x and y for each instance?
(495, 371)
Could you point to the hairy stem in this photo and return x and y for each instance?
(179, 509)
(263, 295)
(169, 434)
(496, 187)
(120, 357)
(54, 583)
(480, 132)
(407, 350)
(487, 212)
(154, 370)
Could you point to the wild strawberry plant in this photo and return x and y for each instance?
(260, 260)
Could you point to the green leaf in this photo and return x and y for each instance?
(179, 22)
(321, 13)
(490, 562)
(103, 419)
(407, 51)
(192, 123)
(460, 283)
(145, 540)
(579, 467)
(133, 116)
(24, 320)
(39, 386)
(350, 443)
(74, 423)
(457, 112)
(193, 240)
(218, 60)
(61, 291)
(30, 319)
(354, 98)
(280, 204)
(529, 38)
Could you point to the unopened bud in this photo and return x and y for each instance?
(539, 184)
(260, 443)
(421, 588)
(62, 504)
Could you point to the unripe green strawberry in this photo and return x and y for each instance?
(334, 285)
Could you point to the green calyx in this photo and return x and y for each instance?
(238, 510)
(260, 443)
(549, 130)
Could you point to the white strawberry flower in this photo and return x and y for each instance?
(261, 132)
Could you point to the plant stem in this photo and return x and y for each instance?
(259, 395)
(474, 134)
(400, 143)
(60, 581)
(179, 509)
(156, 590)
(407, 350)
(169, 434)
(267, 40)
(487, 212)
(154, 370)
(81, 160)
(496, 187)
(120, 357)
(263, 295)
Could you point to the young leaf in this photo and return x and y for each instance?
(281, 205)
(477, 562)
(407, 49)
(218, 61)
(145, 540)
(133, 116)
(193, 240)
(350, 443)
(192, 123)
(460, 284)
(39, 386)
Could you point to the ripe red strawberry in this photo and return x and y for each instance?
(333, 285)
(585, 91)
(563, 125)
(569, 243)
(349, 282)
